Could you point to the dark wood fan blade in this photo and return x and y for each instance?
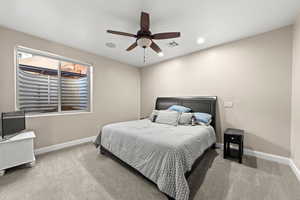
(121, 33)
(155, 47)
(161, 36)
(132, 46)
(145, 21)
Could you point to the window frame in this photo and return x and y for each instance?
(61, 59)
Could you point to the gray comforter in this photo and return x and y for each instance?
(162, 153)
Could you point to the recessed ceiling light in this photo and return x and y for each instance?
(200, 40)
(160, 54)
(110, 45)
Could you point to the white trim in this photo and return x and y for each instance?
(258, 154)
(16, 65)
(58, 88)
(63, 145)
(271, 157)
(60, 58)
(262, 155)
(57, 114)
(49, 55)
(295, 169)
(91, 86)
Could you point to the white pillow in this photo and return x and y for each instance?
(185, 118)
(204, 124)
(153, 115)
(168, 117)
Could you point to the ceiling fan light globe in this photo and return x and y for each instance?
(144, 42)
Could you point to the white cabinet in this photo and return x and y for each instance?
(16, 151)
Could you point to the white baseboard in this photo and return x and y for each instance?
(258, 154)
(271, 157)
(262, 155)
(295, 169)
(63, 145)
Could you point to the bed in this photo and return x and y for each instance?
(162, 153)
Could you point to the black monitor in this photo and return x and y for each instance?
(12, 123)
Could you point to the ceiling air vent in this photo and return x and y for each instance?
(110, 45)
(172, 44)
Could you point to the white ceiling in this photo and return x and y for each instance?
(83, 23)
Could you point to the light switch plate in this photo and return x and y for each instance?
(228, 104)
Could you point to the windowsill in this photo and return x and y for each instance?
(58, 114)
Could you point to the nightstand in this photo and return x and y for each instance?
(234, 136)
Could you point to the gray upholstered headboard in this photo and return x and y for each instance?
(205, 104)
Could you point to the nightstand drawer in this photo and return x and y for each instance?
(233, 138)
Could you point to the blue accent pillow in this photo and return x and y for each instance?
(202, 117)
(179, 108)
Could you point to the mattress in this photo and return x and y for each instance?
(162, 153)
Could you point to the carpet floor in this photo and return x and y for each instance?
(79, 173)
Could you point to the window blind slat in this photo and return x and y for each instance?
(37, 93)
(74, 93)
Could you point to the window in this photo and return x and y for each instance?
(48, 83)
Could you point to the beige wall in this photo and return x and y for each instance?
(295, 137)
(254, 73)
(116, 93)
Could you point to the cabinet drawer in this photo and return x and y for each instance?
(16, 153)
(233, 138)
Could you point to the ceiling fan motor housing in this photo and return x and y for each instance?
(144, 42)
(144, 38)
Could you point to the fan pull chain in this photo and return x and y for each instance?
(144, 55)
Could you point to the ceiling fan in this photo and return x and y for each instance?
(144, 37)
